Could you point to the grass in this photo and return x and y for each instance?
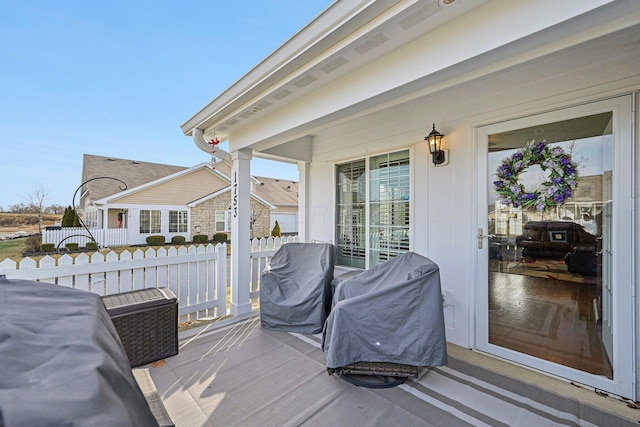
(12, 249)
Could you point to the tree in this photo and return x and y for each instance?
(276, 230)
(67, 218)
(36, 199)
(256, 214)
(76, 219)
(55, 209)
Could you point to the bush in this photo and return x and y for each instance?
(220, 238)
(72, 247)
(200, 238)
(32, 244)
(70, 218)
(177, 240)
(47, 247)
(155, 240)
(92, 246)
(276, 230)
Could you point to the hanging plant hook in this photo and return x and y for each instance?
(75, 211)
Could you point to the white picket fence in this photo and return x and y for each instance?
(108, 237)
(198, 275)
(261, 252)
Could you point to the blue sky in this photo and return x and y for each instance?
(118, 79)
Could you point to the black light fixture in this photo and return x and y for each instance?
(435, 146)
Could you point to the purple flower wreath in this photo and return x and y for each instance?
(558, 188)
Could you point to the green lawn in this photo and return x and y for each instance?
(12, 249)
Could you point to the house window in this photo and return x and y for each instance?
(373, 226)
(150, 221)
(178, 222)
(223, 221)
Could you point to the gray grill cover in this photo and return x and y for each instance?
(390, 313)
(61, 361)
(295, 290)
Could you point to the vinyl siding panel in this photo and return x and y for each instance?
(178, 191)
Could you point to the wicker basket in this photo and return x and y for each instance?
(147, 323)
(378, 369)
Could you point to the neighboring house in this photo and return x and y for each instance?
(173, 200)
(352, 96)
(283, 194)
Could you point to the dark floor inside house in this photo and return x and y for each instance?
(537, 313)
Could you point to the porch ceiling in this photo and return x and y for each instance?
(345, 37)
(591, 50)
(467, 92)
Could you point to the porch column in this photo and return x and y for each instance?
(303, 201)
(240, 232)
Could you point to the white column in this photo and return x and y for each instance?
(240, 232)
(303, 201)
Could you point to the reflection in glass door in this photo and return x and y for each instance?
(556, 270)
(549, 278)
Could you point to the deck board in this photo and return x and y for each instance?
(243, 375)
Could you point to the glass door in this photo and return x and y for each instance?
(555, 258)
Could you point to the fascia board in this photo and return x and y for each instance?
(335, 23)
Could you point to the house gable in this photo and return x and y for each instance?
(179, 190)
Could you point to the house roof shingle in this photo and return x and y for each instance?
(133, 173)
(278, 192)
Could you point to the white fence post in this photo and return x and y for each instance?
(221, 279)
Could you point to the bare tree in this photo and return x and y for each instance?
(55, 209)
(256, 214)
(36, 199)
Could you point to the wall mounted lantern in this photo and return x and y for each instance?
(198, 229)
(435, 146)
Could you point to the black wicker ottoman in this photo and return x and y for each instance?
(147, 323)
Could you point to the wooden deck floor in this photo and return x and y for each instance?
(238, 374)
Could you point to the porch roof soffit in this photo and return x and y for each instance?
(316, 53)
(499, 52)
(320, 34)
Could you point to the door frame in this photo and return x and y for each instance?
(623, 382)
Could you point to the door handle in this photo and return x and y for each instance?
(481, 236)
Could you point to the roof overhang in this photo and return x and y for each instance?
(438, 49)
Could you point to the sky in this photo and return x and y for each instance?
(118, 78)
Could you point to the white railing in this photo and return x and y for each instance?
(105, 237)
(198, 275)
(261, 252)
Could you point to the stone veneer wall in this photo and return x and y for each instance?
(204, 216)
